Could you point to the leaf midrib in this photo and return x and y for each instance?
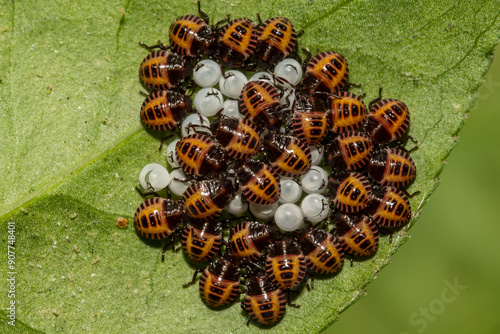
(11, 209)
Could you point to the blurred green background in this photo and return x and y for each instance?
(446, 278)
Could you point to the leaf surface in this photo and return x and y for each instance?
(72, 146)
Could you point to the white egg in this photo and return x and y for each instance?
(317, 152)
(208, 101)
(231, 83)
(171, 157)
(231, 109)
(289, 217)
(262, 76)
(315, 180)
(290, 191)
(154, 177)
(178, 182)
(315, 207)
(195, 119)
(288, 72)
(236, 206)
(263, 211)
(207, 73)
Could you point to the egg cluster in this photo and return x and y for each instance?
(262, 129)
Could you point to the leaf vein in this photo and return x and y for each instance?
(328, 13)
(121, 24)
(44, 189)
(469, 52)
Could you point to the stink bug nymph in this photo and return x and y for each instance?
(349, 151)
(191, 36)
(205, 200)
(392, 167)
(199, 155)
(326, 72)
(389, 207)
(219, 283)
(358, 234)
(351, 192)
(163, 70)
(202, 240)
(276, 40)
(264, 302)
(163, 110)
(287, 154)
(310, 126)
(387, 120)
(237, 42)
(285, 264)
(239, 136)
(322, 250)
(157, 218)
(346, 112)
(260, 102)
(249, 240)
(258, 182)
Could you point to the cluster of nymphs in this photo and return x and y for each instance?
(291, 127)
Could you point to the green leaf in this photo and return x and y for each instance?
(72, 147)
